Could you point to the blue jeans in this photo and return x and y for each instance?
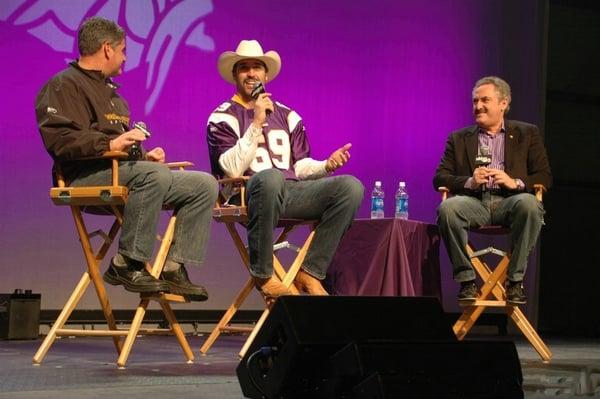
(522, 213)
(333, 201)
(192, 195)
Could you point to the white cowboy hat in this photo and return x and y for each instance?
(245, 50)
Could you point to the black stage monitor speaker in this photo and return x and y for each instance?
(431, 369)
(290, 355)
(20, 315)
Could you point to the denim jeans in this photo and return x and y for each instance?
(333, 201)
(192, 195)
(522, 213)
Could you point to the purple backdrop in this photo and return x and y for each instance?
(391, 77)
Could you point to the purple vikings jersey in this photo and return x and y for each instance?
(282, 144)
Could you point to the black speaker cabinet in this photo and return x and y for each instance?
(290, 356)
(19, 316)
(429, 369)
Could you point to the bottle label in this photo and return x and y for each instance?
(402, 205)
(376, 204)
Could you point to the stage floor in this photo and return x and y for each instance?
(85, 368)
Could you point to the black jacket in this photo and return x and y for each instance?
(524, 158)
(78, 112)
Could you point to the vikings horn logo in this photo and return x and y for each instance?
(155, 28)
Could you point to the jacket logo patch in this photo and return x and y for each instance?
(119, 118)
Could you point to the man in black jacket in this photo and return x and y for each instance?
(80, 115)
(491, 168)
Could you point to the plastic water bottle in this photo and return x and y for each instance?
(401, 202)
(377, 202)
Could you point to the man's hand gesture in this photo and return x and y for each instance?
(338, 158)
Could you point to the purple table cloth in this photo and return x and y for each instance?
(387, 257)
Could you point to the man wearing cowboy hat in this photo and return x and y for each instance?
(254, 136)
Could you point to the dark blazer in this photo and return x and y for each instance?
(525, 158)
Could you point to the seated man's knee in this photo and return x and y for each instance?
(206, 184)
(528, 205)
(352, 189)
(271, 180)
(448, 208)
(158, 174)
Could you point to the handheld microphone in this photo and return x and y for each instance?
(135, 152)
(484, 158)
(257, 89)
(141, 126)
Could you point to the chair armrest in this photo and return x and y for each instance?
(115, 155)
(444, 191)
(539, 189)
(179, 165)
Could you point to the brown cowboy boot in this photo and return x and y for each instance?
(304, 282)
(271, 288)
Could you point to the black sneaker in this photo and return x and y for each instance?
(134, 280)
(179, 283)
(515, 293)
(468, 291)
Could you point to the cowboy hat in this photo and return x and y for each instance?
(248, 49)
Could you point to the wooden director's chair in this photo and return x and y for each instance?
(109, 200)
(493, 293)
(231, 216)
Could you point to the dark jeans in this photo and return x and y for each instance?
(192, 194)
(333, 201)
(522, 213)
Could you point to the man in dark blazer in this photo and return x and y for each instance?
(491, 168)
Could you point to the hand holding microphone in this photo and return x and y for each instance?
(135, 151)
(481, 172)
(263, 106)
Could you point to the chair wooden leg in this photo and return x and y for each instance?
(163, 250)
(133, 331)
(466, 321)
(64, 315)
(532, 336)
(287, 281)
(255, 331)
(287, 278)
(177, 330)
(295, 267)
(229, 313)
(494, 294)
(94, 272)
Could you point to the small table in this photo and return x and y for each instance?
(387, 257)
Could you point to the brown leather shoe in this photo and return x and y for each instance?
(304, 282)
(271, 287)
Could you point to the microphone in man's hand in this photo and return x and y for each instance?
(257, 89)
(135, 152)
(141, 126)
(484, 158)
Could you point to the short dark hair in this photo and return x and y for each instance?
(94, 31)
